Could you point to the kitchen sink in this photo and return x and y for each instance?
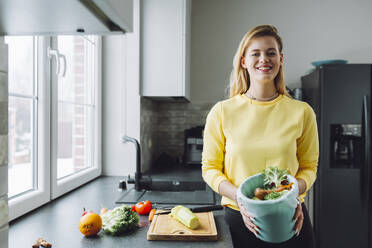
(202, 197)
(172, 185)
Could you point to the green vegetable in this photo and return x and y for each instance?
(273, 176)
(185, 216)
(119, 220)
(274, 195)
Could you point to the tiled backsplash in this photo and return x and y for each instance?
(163, 125)
(3, 144)
(148, 133)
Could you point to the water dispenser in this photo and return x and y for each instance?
(346, 146)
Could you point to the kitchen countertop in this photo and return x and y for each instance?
(57, 222)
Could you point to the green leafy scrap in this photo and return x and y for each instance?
(273, 176)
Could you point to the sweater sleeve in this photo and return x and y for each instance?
(213, 149)
(308, 149)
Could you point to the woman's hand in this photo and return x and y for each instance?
(248, 220)
(299, 216)
(229, 190)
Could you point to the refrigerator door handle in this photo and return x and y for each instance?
(366, 170)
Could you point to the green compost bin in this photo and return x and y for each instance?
(273, 217)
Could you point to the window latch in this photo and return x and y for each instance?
(54, 53)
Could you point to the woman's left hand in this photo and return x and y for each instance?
(299, 216)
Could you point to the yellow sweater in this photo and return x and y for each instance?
(242, 137)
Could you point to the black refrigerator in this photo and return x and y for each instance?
(340, 95)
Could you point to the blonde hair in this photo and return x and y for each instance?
(239, 78)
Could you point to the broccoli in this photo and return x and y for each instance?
(119, 220)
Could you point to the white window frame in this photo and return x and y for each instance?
(31, 200)
(48, 187)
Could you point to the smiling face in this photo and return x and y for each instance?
(262, 59)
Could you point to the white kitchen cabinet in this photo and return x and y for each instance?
(165, 48)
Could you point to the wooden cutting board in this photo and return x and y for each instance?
(164, 227)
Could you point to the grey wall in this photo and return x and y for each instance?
(311, 30)
(3, 144)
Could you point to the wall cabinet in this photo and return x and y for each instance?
(165, 48)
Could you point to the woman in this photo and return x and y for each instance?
(260, 126)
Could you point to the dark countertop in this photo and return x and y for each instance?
(57, 222)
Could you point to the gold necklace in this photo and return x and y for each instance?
(262, 99)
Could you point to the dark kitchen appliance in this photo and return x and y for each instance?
(340, 95)
(193, 145)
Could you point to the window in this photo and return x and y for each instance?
(76, 114)
(76, 106)
(22, 116)
(54, 117)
